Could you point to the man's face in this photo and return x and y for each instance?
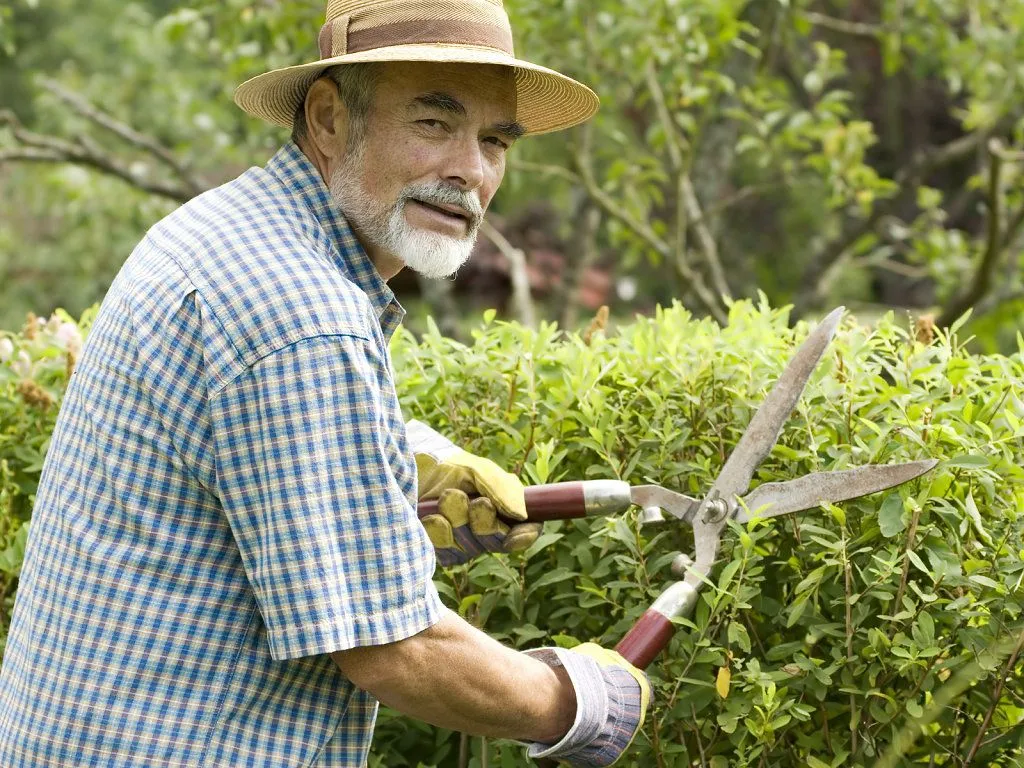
(431, 157)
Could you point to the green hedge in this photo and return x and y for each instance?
(882, 632)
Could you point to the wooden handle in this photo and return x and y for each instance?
(648, 637)
(564, 501)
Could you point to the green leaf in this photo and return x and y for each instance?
(551, 577)
(543, 541)
(890, 516)
(13, 556)
(565, 641)
(985, 581)
(738, 635)
(918, 562)
(528, 632)
(797, 609)
(945, 563)
(975, 517)
(970, 461)
(468, 602)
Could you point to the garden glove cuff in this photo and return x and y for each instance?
(612, 697)
(464, 528)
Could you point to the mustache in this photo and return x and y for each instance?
(439, 193)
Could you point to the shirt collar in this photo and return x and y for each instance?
(295, 171)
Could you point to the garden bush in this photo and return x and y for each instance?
(884, 631)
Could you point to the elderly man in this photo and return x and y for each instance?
(225, 565)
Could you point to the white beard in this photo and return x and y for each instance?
(431, 254)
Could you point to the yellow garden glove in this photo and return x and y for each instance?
(464, 528)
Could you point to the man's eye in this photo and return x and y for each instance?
(431, 123)
(497, 142)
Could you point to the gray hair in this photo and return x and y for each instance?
(356, 83)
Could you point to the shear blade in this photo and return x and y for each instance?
(764, 429)
(809, 491)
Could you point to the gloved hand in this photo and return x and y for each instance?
(464, 528)
(612, 697)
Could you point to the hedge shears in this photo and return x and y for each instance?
(727, 500)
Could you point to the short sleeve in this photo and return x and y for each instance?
(319, 488)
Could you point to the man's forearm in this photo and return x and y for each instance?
(454, 676)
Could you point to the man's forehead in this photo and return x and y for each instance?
(471, 86)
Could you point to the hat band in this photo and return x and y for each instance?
(336, 39)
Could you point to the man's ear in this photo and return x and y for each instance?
(327, 119)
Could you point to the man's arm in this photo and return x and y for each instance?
(453, 676)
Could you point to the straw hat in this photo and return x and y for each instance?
(469, 31)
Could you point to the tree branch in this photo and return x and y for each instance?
(124, 132)
(857, 29)
(649, 236)
(909, 178)
(1013, 228)
(726, 202)
(705, 238)
(992, 303)
(582, 251)
(38, 147)
(673, 141)
(588, 222)
(517, 271)
(1008, 155)
(690, 213)
(29, 155)
(993, 247)
(551, 170)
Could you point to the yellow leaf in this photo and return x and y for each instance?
(722, 683)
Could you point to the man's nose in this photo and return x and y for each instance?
(465, 164)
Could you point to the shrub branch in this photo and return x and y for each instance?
(997, 694)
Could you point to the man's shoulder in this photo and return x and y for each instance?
(263, 266)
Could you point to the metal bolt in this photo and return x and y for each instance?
(681, 564)
(715, 510)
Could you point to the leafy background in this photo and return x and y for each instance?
(865, 152)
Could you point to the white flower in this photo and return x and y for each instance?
(22, 365)
(204, 122)
(6, 349)
(69, 335)
(52, 324)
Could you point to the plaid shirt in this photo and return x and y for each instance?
(228, 496)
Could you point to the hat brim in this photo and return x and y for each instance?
(546, 100)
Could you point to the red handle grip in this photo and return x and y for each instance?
(648, 637)
(564, 501)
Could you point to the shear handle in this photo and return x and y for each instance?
(563, 501)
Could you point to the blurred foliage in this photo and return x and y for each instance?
(35, 365)
(819, 151)
(827, 637)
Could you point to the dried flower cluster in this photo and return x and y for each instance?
(34, 395)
